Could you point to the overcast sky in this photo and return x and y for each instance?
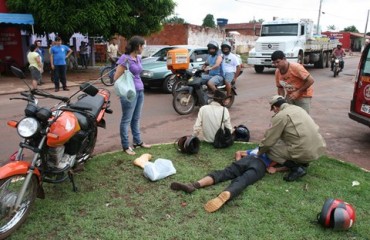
(341, 13)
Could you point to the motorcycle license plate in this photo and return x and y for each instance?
(365, 108)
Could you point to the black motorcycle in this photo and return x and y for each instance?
(193, 93)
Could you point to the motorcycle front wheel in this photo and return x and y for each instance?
(11, 219)
(183, 102)
(335, 70)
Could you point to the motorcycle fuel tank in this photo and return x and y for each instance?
(62, 129)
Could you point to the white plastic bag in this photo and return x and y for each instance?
(160, 169)
(124, 86)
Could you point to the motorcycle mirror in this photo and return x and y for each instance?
(19, 73)
(89, 89)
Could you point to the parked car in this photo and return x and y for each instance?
(360, 103)
(151, 53)
(155, 73)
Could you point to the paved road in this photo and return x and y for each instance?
(346, 139)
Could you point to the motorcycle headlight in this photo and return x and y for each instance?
(28, 127)
(337, 60)
(147, 74)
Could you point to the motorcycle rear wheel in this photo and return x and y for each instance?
(177, 84)
(11, 220)
(88, 146)
(231, 101)
(183, 102)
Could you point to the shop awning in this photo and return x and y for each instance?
(16, 18)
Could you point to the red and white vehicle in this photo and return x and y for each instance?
(360, 104)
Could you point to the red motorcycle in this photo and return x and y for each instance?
(62, 139)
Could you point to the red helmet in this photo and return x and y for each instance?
(337, 214)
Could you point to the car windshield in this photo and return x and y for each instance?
(280, 30)
(366, 71)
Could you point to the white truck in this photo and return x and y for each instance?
(296, 39)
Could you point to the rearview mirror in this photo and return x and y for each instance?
(17, 72)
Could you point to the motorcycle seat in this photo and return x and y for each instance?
(95, 103)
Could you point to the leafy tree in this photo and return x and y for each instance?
(95, 17)
(331, 28)
(350, 29)
(174, 19)
(209, 21)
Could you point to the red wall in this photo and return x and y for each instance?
(171, 34)
(343, 37)
(10, 42)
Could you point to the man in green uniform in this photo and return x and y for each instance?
(293, 139)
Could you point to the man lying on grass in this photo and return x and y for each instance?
(247, 170)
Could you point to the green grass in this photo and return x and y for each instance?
(115, 201)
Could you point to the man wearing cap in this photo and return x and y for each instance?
(339, 53)
(209, 118)
(293, 81)
(293, 139)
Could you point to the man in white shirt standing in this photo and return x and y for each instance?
(230, 67)
(113, 53)
(209, 118)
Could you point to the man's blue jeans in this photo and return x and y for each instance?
(131, 112)
(60, 75)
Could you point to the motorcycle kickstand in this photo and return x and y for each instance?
(71, 178)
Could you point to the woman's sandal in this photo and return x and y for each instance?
(143, 145)
(129, 151)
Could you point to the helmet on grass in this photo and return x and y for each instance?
(337, 214)
(187, 144)
(241, 133)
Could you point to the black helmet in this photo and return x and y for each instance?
(187, 144)
(212, 44)
(241, 133)
(336, 214)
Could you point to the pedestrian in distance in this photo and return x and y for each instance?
(36, 67)
(58, 55)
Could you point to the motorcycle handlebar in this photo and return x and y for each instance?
(64, 99)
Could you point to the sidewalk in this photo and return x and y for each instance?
(11, 84)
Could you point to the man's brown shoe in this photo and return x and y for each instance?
(216, 203)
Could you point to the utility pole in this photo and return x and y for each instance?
(318, 20)
(367, 19)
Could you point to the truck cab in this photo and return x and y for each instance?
(360, 103)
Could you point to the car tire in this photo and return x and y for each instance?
(168, 83)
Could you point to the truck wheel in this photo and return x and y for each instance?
(258, 68)
(321, 63)
(300, 58)
(327, 54)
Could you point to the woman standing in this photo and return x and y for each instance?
(131, 111)
(36, 68)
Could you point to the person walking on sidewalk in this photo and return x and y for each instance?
(41, 52)
(244, 172)
(58, 55)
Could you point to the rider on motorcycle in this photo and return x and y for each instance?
(339, 53)
(230, 66)
(213, 77)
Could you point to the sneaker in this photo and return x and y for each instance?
(56, 90)
(65, 89)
